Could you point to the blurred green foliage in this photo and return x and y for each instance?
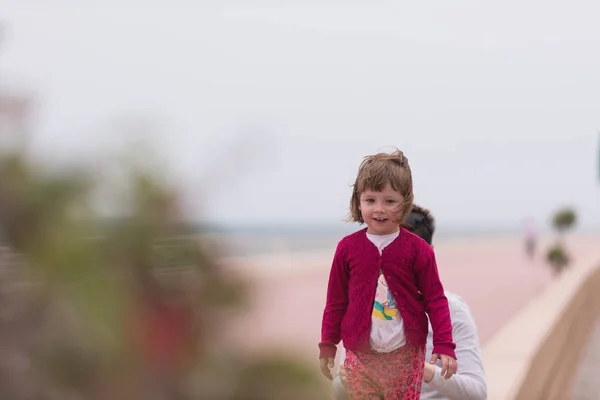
(132, 309)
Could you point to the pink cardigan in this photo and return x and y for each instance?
(411, 272)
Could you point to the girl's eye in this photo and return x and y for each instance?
(369, 200)
(391, 201)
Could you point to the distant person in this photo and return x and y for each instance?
(469, 382)
(385, 337)
(530, 237)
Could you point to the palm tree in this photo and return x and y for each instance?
(562, 221)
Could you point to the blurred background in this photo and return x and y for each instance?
(162, 143)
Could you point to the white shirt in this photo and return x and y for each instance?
(387, 326)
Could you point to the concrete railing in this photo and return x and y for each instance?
(535, 356)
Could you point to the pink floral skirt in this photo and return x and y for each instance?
(389, 376)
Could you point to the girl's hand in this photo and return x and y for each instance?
(448, 364)
(326, 365)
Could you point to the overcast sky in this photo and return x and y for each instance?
(497, 106)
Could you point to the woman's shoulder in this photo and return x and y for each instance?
(455, 299)
(457, 304)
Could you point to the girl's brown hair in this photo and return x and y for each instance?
(374, 173)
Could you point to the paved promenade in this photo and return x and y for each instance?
(492, 275)
(586, 385)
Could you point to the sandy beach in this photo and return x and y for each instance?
(491, 274)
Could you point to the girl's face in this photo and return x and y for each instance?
(380, 210)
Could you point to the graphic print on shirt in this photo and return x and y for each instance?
(385, 306)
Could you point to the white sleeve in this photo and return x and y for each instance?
(469, 381)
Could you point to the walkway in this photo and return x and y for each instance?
(492, 275)
(586, 385)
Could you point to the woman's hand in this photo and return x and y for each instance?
(449, 366)
(343, 377)
(428, 372)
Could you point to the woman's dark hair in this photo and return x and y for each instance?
(421, 223)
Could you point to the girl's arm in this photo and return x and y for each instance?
(336, 304)
(436, 303)
(469, 382)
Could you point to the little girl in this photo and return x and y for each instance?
(382, 282)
